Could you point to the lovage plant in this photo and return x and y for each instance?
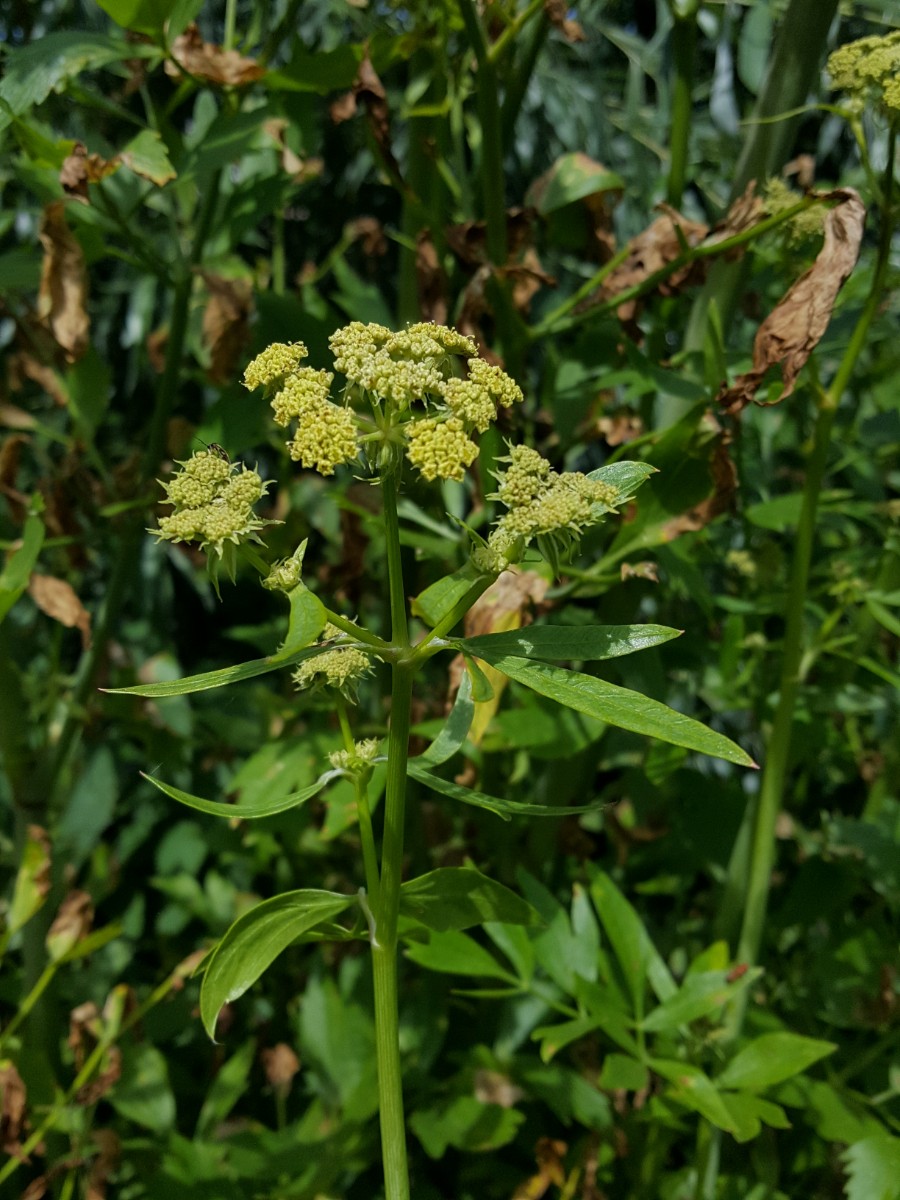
(414, 399)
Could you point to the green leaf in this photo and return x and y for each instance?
(142, 1093)
(320, 71)
(256, 939)
(90, 809)
(700, 994)
(771, 1059)
(626, 477)
(693, 1089)
(482, 688)
(456, 728)
(150, 16)
(621, 1073)
(572, 177)
(465, 1123)
(264, 806)
(31, 886)
(568, 642)
(307, 620)
(222, 677)
(229, 1084)
(873, 1167)
(32, 72)
(147, 156)
(455, 953)
(505, 809)
(459, 897)
(438, 600)
(635, 952)
(751, 1112)
(621, 707)
(17, 571)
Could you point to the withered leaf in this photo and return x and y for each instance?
(369, 232)
(280, 1064)
(620, 428)
(108, 1149)
(80, 169)
(794, 328)
(559, 14)
(639, 570)
(205, 60)
(110, 1073)
(226, 324)
(58, 600)
(12, 1109)
(62, 296)
(725, 481)
(70, 925)
(369, 91)
(493, 1087)
(343, 108)
(431, 280)
(551, 1171)
(660, 243)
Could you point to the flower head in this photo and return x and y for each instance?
(305, 389)
(439, 449)
(869, 68)
(213, 503)
(358, 761)
(274, 364)
(340, 668)
(326, 437)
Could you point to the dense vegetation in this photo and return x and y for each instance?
(673, 225)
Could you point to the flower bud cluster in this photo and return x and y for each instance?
(554, 507)
(778, 196)
(359, 760)
(869, 68)
(213, 503)
(340, 668)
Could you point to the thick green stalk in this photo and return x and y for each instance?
(772, 786)
(384, 946)
(491, 158)
(684, 48)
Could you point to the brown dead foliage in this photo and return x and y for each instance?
(13, 1099)
(205, 60)
(24, 365)
(551, 1171)
(109, 1075)
(660, 244)
(58, 600)
(640, 570)
(468, 240)
(72, 923)
(369, 91)
(795, 326)
(620, 427)
(369, 232)
(10, 457)
(723, 473)
(300, 169)
(80, 169)
(226, 324)
(280, 1064)
(559, 14)
(431, 280)
(62, 295)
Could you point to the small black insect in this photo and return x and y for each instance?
(215, 448)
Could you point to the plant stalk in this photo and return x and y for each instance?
(684, 46)
(384, 953)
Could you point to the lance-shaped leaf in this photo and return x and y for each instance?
(17, 571)
(219, 678)
(252, 811)
(507, 809)
(568, 641)
(256, 939)
(439, 600)
(771, 1059)
(459, 897)
(621, 707)
(453, 735)
(625, 477)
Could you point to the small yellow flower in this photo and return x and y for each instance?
(303, 390)
(326, 437)
(341, 668)
(274, 364)
(213, 502)
(869, 67)
(439, 449)
(495, 382)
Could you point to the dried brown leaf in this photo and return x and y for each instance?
(343, 109)
(795, 326)
(723, 473)
(58, 600)
(110, 1073)
(62, 296)
(80, 169)
(639, 570)
(559, 14)
(14, 417)
(493, 1087)
(13, 1098)
(84, 1030)
(369, 91)
(620, 428)
(226, 324)
(431, 280)
(280, 1064)
(205, 60)
(551, 1172)
(23, 365)
(71, 924)
(10, 457)
(108, 1150)
(660, 244)
(369, 232)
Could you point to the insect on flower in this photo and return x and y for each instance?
(215, 448)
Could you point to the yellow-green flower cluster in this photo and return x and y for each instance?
(213, 503)
(285, 574)
(439, 449)
(541, 503)
(803, 226)
(397, 368)
(359, 760)
(326, 434)
(869, 68)
(276, 362)
(340, 668)
(475, 399)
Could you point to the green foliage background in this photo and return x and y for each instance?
(305, 214)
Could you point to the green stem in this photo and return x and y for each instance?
(230, 21)
(367, 836)
(772, 786)
(384, 953)
(491, 158)
(684, 47)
